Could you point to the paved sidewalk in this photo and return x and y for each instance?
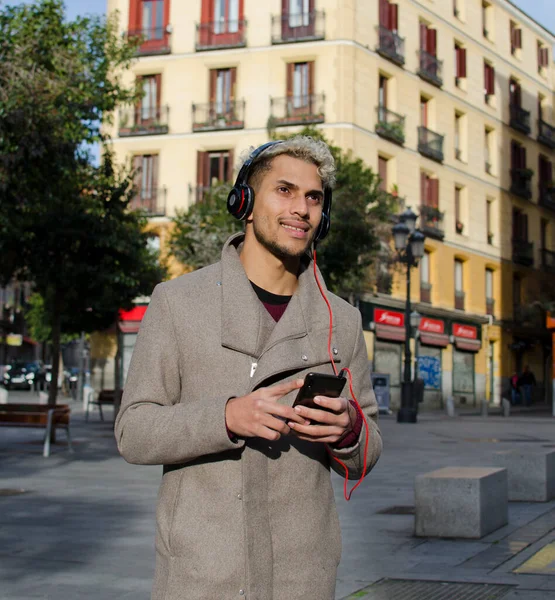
(84, 529)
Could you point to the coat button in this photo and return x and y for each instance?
(304, 357)
(241, 592)
(218, 283)
(239, 496)
(335, 351)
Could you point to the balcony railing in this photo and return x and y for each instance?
(521, 183)
(430, 68)
(214, 116)
(297, 110)
(391, 45)
(548, 260)
(431, 222)
(298, 27)
(143, 121)
(520, 119)
(459, 300)
(221, 34)
(390, 125)
(154, 41)
(430, 143)
(425, 292)
(523, 253)
(547, 195)
(490, 306)
(150, 200)
(546, 134)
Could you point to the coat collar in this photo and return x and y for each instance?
(242, 319)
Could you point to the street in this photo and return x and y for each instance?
(83, 526)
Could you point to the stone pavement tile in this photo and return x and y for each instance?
(529, 595)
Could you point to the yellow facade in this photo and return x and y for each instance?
(348, 59)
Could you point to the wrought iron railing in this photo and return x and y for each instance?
(153, 40)
(546, 134)
(391, 45)
(547, 195)
(430, 68)
(520, 119)
(297, 110)
(431, 222)
(521, 183)
(212, 116)
(298, 27)
(150, 200)
(430, 143)
(523, 252)
(548, 260)
(140, 120)
(221, 34)
(390, 125)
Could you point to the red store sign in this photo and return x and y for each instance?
(431, 325)
(432, 332)
(389, 317)
(465, 331)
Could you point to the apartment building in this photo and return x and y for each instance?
(450, 101)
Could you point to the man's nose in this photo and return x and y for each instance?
(299, 205)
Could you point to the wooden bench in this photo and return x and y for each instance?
(104, 397)
(37, 415)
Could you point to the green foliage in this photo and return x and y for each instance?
(200, 232)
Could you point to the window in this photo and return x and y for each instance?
(487, 20)
(424, 111)
(389, 15)
(226, 16)
(541, 100)
(489, 80)
(299, 12)
(382, 91)
(460, 136)
(149, 106)
(300, 83)
(518, 155)
(145, 168)
(382, 172)
(459, 219)
(515, 93)
(222, 24)
(488, 149)
(212, 168)
(517, 291)
(429, 191)
(425, 285)
(489, 292)
(149, 19)
(520, 226)
(457, 8)
(516, 38)
(543, 57)
(544, 224)
(428, 39)
(222, 90)
(489, 221)
(152, 19)
(459, 285)
(545, 171)
(460, 64)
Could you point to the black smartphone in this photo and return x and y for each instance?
(319, 384)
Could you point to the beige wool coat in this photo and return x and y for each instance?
(253, 519)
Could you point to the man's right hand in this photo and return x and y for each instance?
(260, 415)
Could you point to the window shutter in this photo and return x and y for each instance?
(310, 67)
(213, 83)
(202, 174)
(423, 189)
(233, 75)
(512, 36)
(207, 11)
(434, 192)
(461, 67)
(518, 38)
(514, 155)
(137, 172)
(154, 177)
(382, 172)
(432, 42)
(522, 157)
(544, 57)
(158, 81)
(423, 36)
(230, 165)
(393, 17)
(134, 15)
(290, 69)
(524, 221)
(384, 14)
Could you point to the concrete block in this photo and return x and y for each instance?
(461, 502)
(531, 473)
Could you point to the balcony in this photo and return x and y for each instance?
(215, 116)
(391, 125)
(430, 68)
(430, 144)
(153, 41)
(143, 121)
(391, 46)
(221, 34)
(425, 292)
(150, 200)
(520, 119)
(459, 300)
(523, 253)
(431, 222)
(297, 110)
(548, 260)
(546, 134)
(521, 183)
(547, 195)
(293, 27)
(490, 305)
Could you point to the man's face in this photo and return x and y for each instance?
(287, 207)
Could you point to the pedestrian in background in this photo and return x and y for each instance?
(527, 383)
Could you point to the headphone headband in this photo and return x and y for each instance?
(240, 200)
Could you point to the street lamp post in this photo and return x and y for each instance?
(409, 243)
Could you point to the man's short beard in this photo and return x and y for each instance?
(276, 249)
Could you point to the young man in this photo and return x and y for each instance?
(246, 507)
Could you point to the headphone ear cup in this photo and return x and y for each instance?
(323, 228)
(240, 201)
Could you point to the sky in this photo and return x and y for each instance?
(542, 11)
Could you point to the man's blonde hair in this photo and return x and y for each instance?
(301, 146)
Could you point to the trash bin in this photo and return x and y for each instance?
(380, 383)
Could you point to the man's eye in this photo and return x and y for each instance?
(315, 198)
(283, 189)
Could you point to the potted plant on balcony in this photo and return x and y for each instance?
(459, 225)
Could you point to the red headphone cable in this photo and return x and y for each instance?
(346, 493)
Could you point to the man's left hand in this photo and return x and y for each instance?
(327, 427)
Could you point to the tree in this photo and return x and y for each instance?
(359, 234)
(64, 223)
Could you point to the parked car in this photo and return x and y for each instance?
(22, 375)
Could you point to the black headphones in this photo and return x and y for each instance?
(240, 200)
